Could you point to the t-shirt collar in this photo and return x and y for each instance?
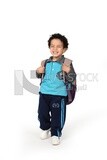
(60, 60)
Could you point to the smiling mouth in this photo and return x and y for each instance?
(55, 53)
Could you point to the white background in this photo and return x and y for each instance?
(25, 27)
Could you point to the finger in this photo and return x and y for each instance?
(63, 65)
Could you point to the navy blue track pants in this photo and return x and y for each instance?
(52, 113)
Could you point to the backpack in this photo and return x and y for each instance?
(70, 87)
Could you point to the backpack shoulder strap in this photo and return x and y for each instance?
(43, 63)
(67, 61)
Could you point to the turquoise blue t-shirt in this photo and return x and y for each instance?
(51, 84)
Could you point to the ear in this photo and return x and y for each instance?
(64, 50)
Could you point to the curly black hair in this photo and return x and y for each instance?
(60, 37)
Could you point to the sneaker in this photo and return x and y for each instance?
(45, 134)
(55, 140)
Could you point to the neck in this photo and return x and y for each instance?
(56, 58)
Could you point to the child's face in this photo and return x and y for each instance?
(56, 48)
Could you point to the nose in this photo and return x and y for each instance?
(55, 49)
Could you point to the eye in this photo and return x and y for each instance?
(59, 46)
(52, 46)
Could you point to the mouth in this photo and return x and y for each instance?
(55, 53)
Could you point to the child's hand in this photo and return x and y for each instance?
(40, 69)
(65, 68)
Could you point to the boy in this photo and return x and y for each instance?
(53, 93)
